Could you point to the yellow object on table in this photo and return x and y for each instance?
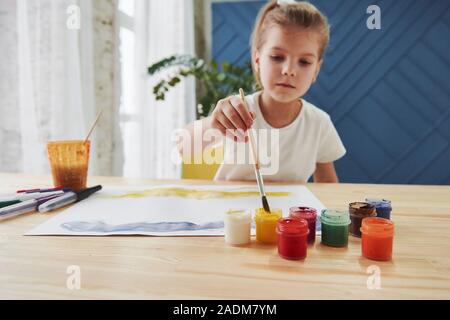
(203, 170)
(266, 224)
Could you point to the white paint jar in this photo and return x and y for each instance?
(237, 227)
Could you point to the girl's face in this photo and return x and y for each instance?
(288, 62)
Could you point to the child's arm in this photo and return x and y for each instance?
(325, 172)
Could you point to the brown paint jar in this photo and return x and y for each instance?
(358, 211)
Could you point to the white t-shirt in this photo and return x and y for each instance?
(286, 154)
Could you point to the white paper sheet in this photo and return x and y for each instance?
(105, 214)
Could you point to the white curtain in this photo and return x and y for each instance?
(47, 90)
(55, 80)
(162, 29)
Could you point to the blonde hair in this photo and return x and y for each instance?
(300, 14)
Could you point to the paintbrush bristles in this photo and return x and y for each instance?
(265, 204)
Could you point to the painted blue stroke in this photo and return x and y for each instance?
(102, 227)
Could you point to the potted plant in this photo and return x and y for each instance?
(216, 81)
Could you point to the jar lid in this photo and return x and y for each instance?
(307, 213)
(238, 214)
(294, 227)
(335, 217)
(380, 203)
(377, 227)
(274, 214)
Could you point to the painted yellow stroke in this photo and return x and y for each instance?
(195, 193)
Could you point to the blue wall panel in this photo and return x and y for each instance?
(387, 91)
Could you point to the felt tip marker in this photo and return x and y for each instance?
(44, 190)
(61, 201)
(23, 207)
(29, 196)
(68, 198)
(8, 203)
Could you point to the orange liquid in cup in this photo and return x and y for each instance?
(69, 161)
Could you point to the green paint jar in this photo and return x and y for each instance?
(335, 227)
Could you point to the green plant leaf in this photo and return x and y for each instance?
(216, 84)
(221, 77)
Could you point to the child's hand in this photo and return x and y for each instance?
(232, 118)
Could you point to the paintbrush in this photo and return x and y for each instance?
(93, 125)
(254, 153)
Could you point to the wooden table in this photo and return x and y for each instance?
(137, 267)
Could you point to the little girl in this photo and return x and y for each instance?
(288, 45)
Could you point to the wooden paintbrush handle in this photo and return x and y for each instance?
(251, 137)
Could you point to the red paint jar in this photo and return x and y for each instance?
(310, 215)
(292, 238)
(377, 238)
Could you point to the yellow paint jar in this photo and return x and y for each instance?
(266, 225)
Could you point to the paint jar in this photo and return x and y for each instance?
(335, 227)
(292, 238)
(237, 226)
(310, 215)
(377, 238)
(69, 162)
(383, 207)
(266, 224)
(358, 211)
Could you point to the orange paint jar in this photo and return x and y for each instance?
(377, 238)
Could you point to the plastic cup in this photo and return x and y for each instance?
(69, 161)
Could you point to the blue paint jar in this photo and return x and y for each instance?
(383, 207)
